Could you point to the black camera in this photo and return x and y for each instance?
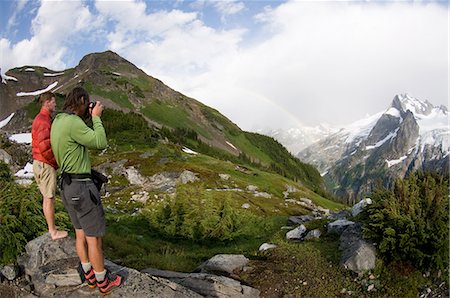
(92, 104)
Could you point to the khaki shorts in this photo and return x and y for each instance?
(45, 176)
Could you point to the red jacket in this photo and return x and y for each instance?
(40, 138)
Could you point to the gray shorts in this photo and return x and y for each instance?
(83, 203)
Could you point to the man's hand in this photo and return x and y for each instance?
(98, 109)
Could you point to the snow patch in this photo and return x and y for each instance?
(388, 137)
(29, 69)
(38, 92)
(189, 151)
(390, 163)
(8, 78)
(231, 145)
(360, 129)
(324, 173)
(6, 120)
(22, 138)
(393, 112)
(116, 73)
(53, 74)
(26, 172)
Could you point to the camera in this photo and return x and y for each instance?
(92, 104)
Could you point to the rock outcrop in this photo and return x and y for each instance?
(358, 254)
(208, 285)
(52, 268)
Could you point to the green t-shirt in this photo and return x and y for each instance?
(71, 138)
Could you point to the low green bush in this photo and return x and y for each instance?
(410, 222)
(192, 215)
(21, 216)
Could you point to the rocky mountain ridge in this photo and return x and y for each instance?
(120, 85)
(410, 135)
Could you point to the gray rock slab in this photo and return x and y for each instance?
(297, 233)
(358, 255)
(51, 266)
(339, 226)
(223, 264)
(208, 285)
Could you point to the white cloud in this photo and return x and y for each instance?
(20, 4)
(329, 62)
(54, 28)
(310, 62)
(229, 7)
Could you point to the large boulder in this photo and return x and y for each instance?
(358, 207)
(358, 255)
(207, 284)
(223, 264)
(339, 226)
(299, 219)
(52, 266)
(296, 234)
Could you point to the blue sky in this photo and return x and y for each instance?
(264, 64)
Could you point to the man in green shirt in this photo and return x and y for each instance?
(71, 138)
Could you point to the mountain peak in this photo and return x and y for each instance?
(106, 60)
(405, 102)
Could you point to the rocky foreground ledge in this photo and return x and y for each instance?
(50, 270)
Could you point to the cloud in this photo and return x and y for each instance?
(12, 22)
(309, 62)
(56, 26)
(330, 62)
(229, 7)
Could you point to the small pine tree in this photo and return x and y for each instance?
(410, 223)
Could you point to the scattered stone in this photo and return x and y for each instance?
(372, 277)
(343, 214)
(134, 177)
(324, 211)
(252, 188)
(5, 157)
(297, 233)
(339, 226)
(267, 246)
(245, 205)
(10, 271)
(290, 188)
(357, 208)
(305, 283)
(262, 195)
(370, 287)
(147, 154)
(306, 201)
(223, 264)
(224, 177)
(314, 234)
(343, 291)
(301, 219)
(188, 177)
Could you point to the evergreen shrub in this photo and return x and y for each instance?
(194, 215)
(410, 222)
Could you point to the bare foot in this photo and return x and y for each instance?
(58, 234)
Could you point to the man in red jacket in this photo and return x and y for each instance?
(44, 165)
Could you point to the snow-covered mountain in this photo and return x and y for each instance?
(410, 135)
(296, 139)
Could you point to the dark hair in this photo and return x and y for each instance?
(74, 100)
(46, 96)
